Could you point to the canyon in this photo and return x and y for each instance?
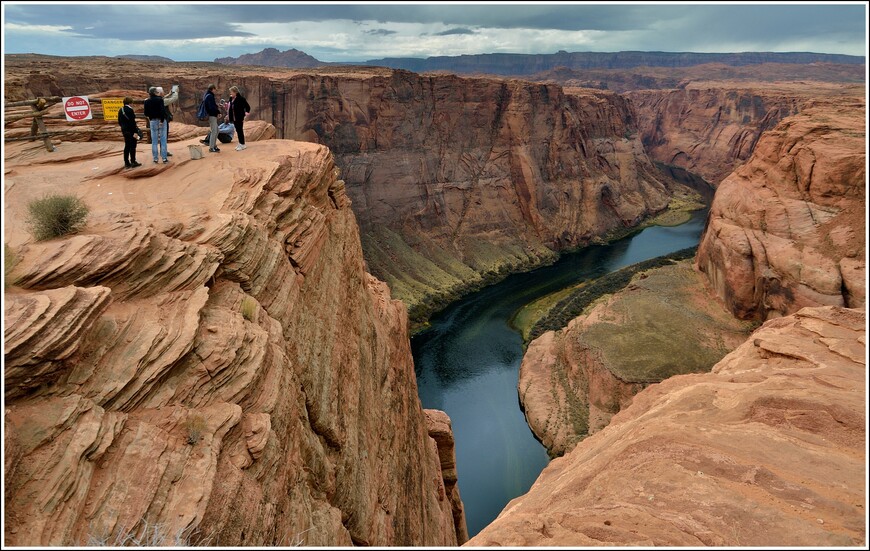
(280, 342)
(786, 230)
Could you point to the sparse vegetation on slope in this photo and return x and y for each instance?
(56, 215)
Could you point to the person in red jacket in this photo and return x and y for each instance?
(236, 110)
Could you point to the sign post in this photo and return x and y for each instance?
(111, 106)
(77, 108)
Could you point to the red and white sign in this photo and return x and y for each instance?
(77, 108)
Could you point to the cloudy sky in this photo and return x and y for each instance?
(361, 31)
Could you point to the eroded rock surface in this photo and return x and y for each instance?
(711, 128)
(662, 324)
(208, 360)
(787, 229)
(769, 449)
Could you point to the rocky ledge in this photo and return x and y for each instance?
(769, 449)
(207, 362)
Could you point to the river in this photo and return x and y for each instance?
(468, 362)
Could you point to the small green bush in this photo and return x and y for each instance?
(249, 307)
(56, 215)
(195, 425)
(10, 259)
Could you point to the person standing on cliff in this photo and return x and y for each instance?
(167, 115)
(155, 111)
(130, 131)
(214, 112)
(236, 111)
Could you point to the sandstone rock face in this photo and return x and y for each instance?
(208, 361)
(710, 128)
(767, 450)
(454, 181)
(787, 229)
(573, 381)
(707, 132)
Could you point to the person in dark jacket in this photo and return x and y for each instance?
(155, 111)
(236, 111)
(130, 131)
(214, 112)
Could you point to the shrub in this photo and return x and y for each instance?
(56, 215)
(148, 535)
(195, 425)
(249, 307)
(10, 259)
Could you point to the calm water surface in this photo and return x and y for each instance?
(468, 365)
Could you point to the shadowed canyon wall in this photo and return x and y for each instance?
(711, 128)
(457, 181)
(208, 360)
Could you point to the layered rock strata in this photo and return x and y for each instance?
(460, 181)
(787, 229)
(208, 362)
(455, 181)
(711, 128)
(573, 381)
(769, 449)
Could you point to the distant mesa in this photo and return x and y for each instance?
(150, 58)
(271, 57)
(527, 64)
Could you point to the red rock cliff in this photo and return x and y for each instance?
(787, 229)
(208, 361)
(711, 128)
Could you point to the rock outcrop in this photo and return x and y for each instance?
(454, 181)
(663, 323)
(767, 450)
(271, 57)
(208, 362)
(787, 229)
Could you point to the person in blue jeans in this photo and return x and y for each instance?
(214, 112)
(155, 112)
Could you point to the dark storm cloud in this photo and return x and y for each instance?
(705, 25)
(128, 22)
(187, 20)
(458, 30)
(645, 26)
(380, 32)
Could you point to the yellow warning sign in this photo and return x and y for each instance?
(111, 106)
